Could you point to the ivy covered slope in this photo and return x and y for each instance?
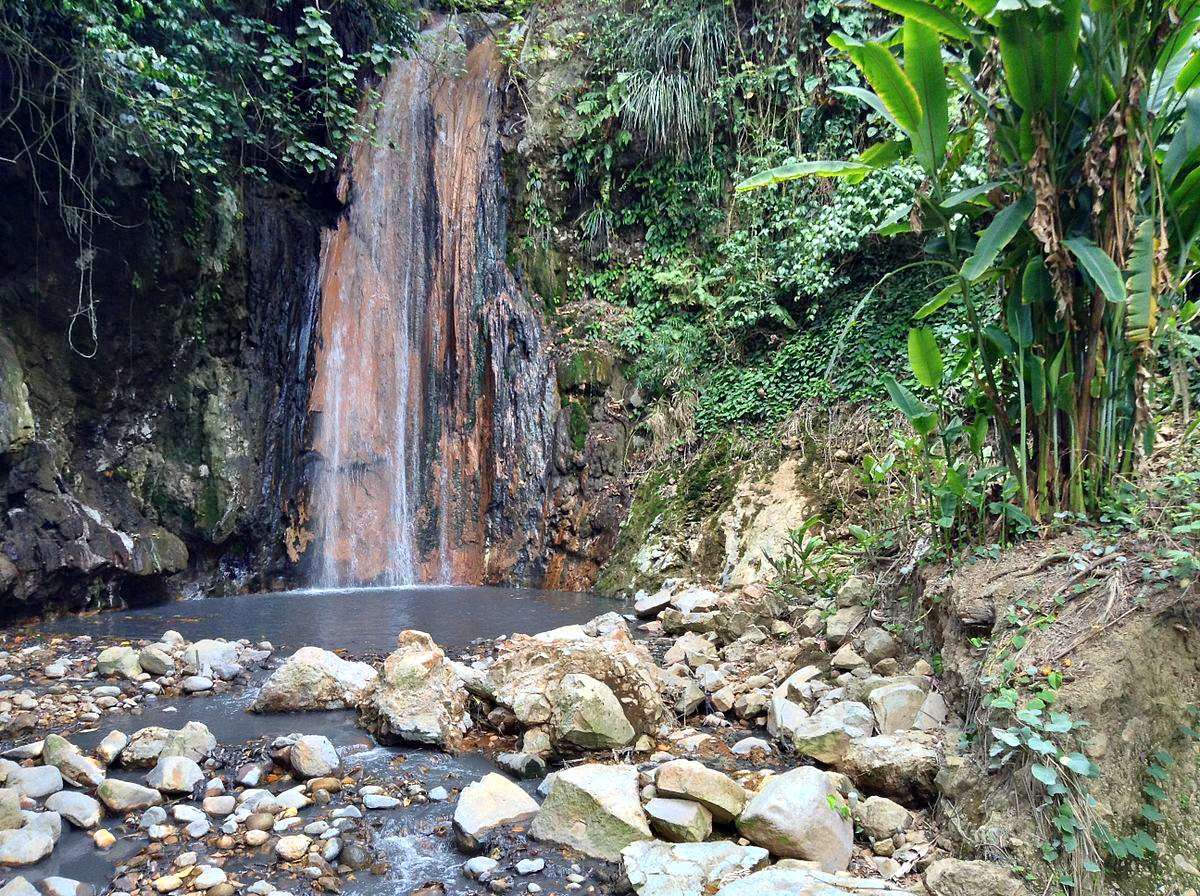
(639, 120)
(166, 167)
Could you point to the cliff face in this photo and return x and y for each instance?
(193, 447)
(433, 402)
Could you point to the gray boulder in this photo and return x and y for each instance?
(487, 804)
(593, 808)
(588, 714)
(793, 816)
(691, 780)
(655, 868)
(315, 679)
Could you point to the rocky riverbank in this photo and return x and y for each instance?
(708, 743)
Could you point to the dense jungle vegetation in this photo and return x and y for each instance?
(990, 210)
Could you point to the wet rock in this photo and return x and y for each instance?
(18, 886)
(792, 816)
(594, 809)
(144, 746)
(479, 867)
(487, 804)
(24, 846)
(197, 684)
(11, 817)
(125, 796)
(293, 847)
(175, 774)
(156, 661)
(380, 801)
(679, 821)
(121, 660)
(896, 706)
(955, 877)
(419, 697)
(208, 656)
(65, 886)
(208, 878)
(314, 756)
(78, 808)
(112, 745)
(664, 869)
(193, 741)
(315, 679)
(523, 765)
(36, 782)
(103, 839)
(588, 714)
(691, 780)
(749, 745)
(530, 866)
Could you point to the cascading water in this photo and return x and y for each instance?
(433, 398)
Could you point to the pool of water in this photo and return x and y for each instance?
(361, 620)
(415, 839)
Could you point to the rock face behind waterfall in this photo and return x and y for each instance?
(434, 397)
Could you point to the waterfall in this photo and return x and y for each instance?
(433, 399)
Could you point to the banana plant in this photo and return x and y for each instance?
(1071, 263)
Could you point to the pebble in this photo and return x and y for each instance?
(530, 866)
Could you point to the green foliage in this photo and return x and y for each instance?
(190, 89)
(1061, 347)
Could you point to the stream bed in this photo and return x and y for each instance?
(416, 841)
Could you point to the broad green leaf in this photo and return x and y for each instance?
(1189, 75)
(1080, 765)
(880, 154)
(796, 170)
(1099, 265)
(892, 86)
(1000, 340)
(924, 357)
(969, 194)
(902, 397)
(1036, 288)
(1185, 142)
(936, 302)
(927, 74)
(1019, 47)
(865, 96)
(998, 235)
(1045, 773)
(927, 14)
(1020, 322)
(1035, 378)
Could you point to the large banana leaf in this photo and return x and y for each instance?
(998, 235)
(1141, 319)
(928, 15)
(891, 85)
(923, 65)
(871, 100)
(797, 170)
(1099, 265)
(924, 357)
(1039, 49)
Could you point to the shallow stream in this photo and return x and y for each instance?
(416, 840)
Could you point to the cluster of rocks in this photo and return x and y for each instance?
(193, 809)
(61, 682)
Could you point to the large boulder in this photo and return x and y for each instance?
(527, 673)
(315, 679)
(588, 714)
(593, 808)
(827, 735)
(655, 868)
(897, 706)
(175, 774)
(487, 804)
(36, 782)
(691, 780)
(419, 698)
(794, 816)
(78, 808)
(899, 765)
(955, 877)
(209, 657)
(679, 821)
